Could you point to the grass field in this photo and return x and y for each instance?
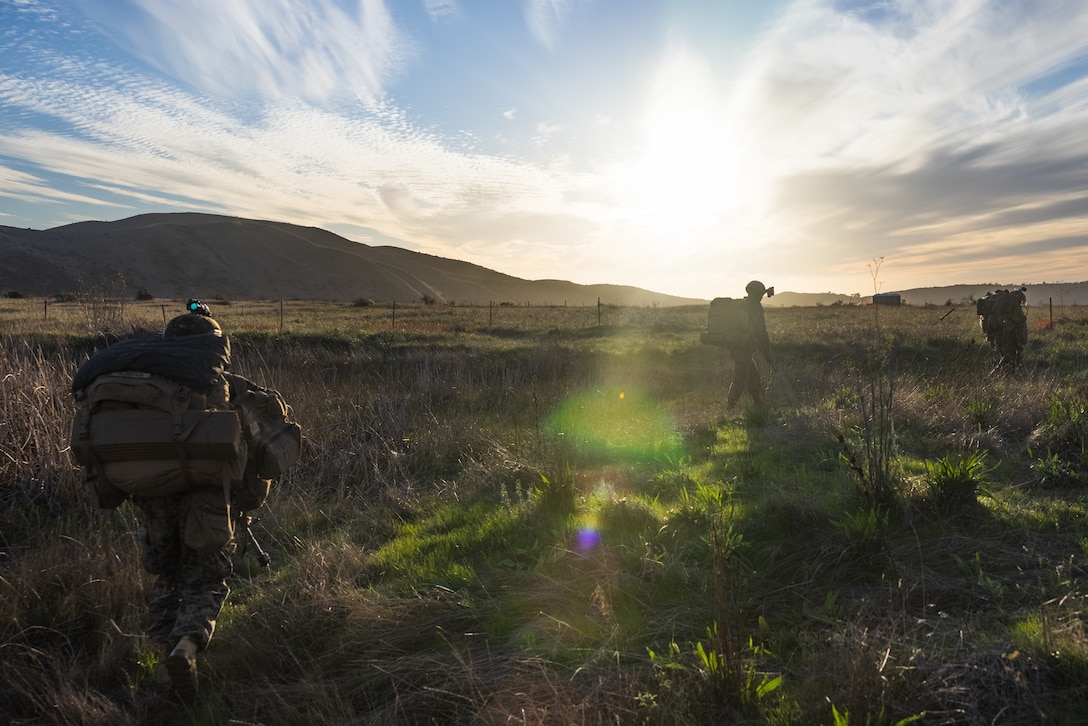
(515, 515)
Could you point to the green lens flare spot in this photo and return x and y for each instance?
(622, 423)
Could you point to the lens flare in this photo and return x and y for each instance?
(619, 424)
(589, 533)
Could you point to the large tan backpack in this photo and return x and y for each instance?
(1001, 316)
(140, 434)
(728, 324)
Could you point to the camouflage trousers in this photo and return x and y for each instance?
(190, 588)
(1009, 348)
(745, 377)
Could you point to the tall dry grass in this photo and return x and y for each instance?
(447, 552)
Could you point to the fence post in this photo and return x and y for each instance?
(598, 312)
(490, 312)
(281, 316)
(45, 309)
(394, 313)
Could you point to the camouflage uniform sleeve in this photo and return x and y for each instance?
(237, 384)
(759, 330)
(250, 491)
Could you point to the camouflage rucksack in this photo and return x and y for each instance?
(153, 418)
(140, 434)
(273, 440)
(728, 324)
(1001, 315)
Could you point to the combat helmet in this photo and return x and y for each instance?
(198, 321)
(755, 289)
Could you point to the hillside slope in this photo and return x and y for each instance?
(183, 255)
(201, 255)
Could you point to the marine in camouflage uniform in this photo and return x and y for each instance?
(745, 373)
(187, 538)
(190, 586)
(1003, 320)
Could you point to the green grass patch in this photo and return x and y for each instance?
(524, 515)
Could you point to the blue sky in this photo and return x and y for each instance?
(683, 146)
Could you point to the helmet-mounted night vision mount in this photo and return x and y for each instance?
(198, 308)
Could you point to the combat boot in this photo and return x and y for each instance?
(181, 665)
(162, 675)
(757, 397)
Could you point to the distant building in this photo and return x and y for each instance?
(892, 299)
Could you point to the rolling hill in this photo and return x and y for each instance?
(180, 255)
(1039, 294)
(207, 256)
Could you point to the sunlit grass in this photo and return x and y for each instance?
(501, 512)
(441, 547)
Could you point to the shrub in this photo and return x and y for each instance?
(956, 479)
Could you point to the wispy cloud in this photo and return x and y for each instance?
(545, 19)
(20, 186)
(889, 125)
(545, 132)
(295, 162)
(440, 10)
(317, 50)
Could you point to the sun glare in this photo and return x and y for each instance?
(689, 173)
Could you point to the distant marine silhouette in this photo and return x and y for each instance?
(1003, 320)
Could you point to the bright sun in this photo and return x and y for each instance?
(689, 174)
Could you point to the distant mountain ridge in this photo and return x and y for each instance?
(179, 255)
(188, 254)
(1060, 293)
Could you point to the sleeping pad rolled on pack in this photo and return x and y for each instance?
(195, 361)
